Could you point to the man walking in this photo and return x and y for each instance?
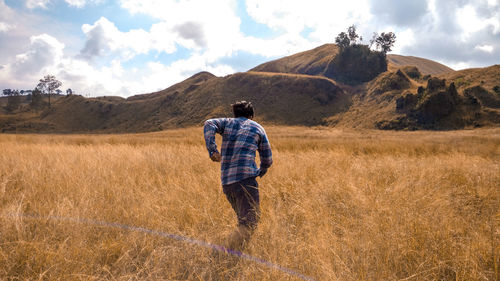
(241, 137)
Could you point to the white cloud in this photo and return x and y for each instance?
(469, 22)
(4, 27)
(33, 4)
(455, 33)
(176, 72)
(85, 79)
(45, 56)
(485, 48)
(458, 65)
(282, 45)
(400, 13)
(76, 3)
(214, 28)
(114, 79)
(196, 24)
(104, 36)
(45, 52)
(82, 3)
(403, 39)
(43, 4)
(326, 18)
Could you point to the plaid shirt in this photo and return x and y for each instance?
(241, 137)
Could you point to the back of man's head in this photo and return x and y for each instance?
(243, 109)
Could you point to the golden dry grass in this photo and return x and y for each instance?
(337, 205)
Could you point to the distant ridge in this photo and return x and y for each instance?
(414, 93)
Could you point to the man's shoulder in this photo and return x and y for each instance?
(217, 119)
(257, 126)
(236, 122)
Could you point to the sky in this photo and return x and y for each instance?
(129, 47)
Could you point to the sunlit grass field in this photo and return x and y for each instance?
(336, 205)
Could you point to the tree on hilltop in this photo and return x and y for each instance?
(356, 63)
(344, 40)
(6, 92)
(353, 35)
(48, 85)
(374, 38)
(385, 41)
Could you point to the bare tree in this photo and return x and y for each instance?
(48, 85)
(373, 40)
(353, 36)
(342, 40)
(385, 41)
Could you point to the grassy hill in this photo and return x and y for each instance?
(315, 62)
(289, 91)
(312, 62)
(279, 98)
(425, 66)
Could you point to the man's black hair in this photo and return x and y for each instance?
(243, 109)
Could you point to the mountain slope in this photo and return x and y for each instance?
(312, 62)
(315, 62)
(404, 97)
(279, 98)
(425, 66)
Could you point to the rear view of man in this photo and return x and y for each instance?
(241, 138)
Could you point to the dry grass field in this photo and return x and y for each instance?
(337, 205)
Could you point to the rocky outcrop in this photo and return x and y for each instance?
(436, 106)
(485, 97)
(412, 72)
(393, 81)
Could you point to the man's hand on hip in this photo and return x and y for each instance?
(216, 157)
(262, 172)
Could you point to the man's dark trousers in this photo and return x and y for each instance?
(244, 198)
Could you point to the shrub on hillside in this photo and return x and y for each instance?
(487, 99)
(391, 81)
(13, 101)
(434, 84)
(412, 72)
(37, 101)
(406, 103)
(436, 106)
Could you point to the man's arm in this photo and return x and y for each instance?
(211, 127)
(266, 156)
